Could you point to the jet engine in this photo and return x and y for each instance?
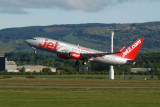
(75, 55)
(70, 55)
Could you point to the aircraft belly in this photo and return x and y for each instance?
(110, 60)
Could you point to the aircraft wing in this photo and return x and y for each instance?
(94, 55)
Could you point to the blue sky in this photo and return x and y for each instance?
(20, 13)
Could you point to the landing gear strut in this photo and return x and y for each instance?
(34, 50)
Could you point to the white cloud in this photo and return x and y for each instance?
(21, 6)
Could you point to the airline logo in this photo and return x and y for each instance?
(49, 45)
(128, 50)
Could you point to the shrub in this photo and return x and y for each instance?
(7, 76)
(30, 76)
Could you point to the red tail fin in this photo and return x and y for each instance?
(131, 52)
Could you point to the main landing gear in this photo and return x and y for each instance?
(83, 63)
(77, 62)
(35, 51)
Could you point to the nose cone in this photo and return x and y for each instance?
(28, 41)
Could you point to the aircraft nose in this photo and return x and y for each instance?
(28, 41)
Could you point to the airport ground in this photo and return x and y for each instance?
(79, 97)
(81, 80)
(99, 93)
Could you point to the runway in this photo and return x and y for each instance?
(73, 86)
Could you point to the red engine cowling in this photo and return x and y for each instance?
(75, 55)
(63, 57)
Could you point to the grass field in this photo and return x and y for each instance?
(103, 77)
(117, 77)
(74, 81)
(80, 97)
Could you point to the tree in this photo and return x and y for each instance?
(46, 70)
(23, 69)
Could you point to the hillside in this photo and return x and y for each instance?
(95, 35)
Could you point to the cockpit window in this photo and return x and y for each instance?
(33, 38)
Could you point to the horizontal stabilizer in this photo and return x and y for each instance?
(122, 49)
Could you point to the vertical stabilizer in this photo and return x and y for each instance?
(131, 52)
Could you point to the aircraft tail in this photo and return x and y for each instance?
(131, 52)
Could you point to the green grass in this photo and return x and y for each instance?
(117, 77)
(80, 97)
(58, 81)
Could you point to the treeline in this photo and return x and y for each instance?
(144, 60)
(67, 66)
(148, 60)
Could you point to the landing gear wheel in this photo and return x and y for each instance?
(84, 63)
(77, 63)
(35, 52)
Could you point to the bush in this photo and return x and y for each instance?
(7, 76)
(30, 76)
(46, 70)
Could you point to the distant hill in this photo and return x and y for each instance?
(94, 35)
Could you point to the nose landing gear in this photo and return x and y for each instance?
(34, 50)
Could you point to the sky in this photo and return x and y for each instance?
(21, 13)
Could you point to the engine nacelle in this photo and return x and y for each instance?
(62, 57)
(75, 55)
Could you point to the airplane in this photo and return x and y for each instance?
(69, 51)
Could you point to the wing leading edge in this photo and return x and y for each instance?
(94, 55)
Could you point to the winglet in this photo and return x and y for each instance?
(131, 52)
